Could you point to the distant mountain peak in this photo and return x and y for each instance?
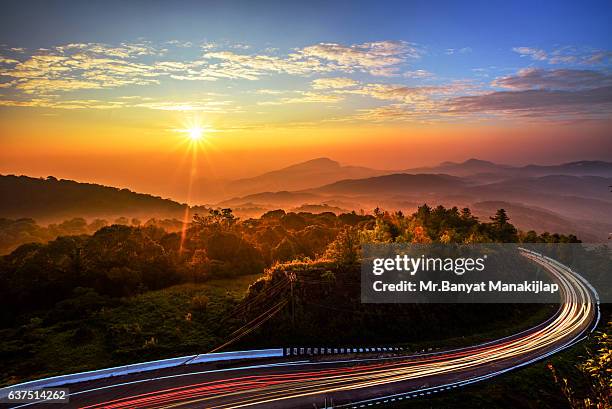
(586, 163)
(471, 161)
(317, 163)
(474, 161)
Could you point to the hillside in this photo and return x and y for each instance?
(50, 200)
(395, 184)
(304, 175)
(579, 204)
(482, 168)
(532, 218)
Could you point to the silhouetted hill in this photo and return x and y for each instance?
(565, 185)
(579, 168)
(580, 204)
(323, 171)
(305, 175)
(52, 199)
(541, 220)
(395, 184)
(282, 198)
(469, 167)
(486, 170)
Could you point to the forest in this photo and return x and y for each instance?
(124, 260)
(133, 291)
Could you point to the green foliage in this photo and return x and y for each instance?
(596, 371)
(345, 249)
(88, 331)
(126, 292)
(14, 233)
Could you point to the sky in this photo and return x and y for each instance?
(111, 92)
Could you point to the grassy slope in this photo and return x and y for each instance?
(150, 326)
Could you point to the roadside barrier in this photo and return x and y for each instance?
(142, 367)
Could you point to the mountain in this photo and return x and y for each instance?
(565, 185)
(305, 175)
(355, 194)
(469, 167)
(323, 171)
(394, 185)
(561, 203)
(482, 170)
(580, 168)
(282, 198)
(541, 220)
(50, 200)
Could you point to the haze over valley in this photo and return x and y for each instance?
(566, 198)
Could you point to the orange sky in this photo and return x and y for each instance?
(152, 156)
(112, 103)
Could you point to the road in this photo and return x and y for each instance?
(346, 382)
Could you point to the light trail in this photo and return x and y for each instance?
(293, 385)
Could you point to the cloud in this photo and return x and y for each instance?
(8, 61)
(464, 50)
(125, 50)
(179, 43)
(253, 66)
(538, 102)
(598, 57)
(410, 94)
(93, 66)
(333, 83)
(536, 94)
(417, 74)
(128, 101)
(535, 53)
(211, 107)
(544, 94)
(81, 66)
(560, 79)
(566, 55)
(305, 97)
(377, 58)
(62, 104)
(404, 113)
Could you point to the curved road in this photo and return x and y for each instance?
(351, 383)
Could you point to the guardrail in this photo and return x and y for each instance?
(143, 367)
(313, 351)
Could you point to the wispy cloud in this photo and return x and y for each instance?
(463, 50)
(566, 55)
(543, 102)
(544, 94)
(304, 97)
(534, 53)
(367, 74)
(81, 66)
(418, 74)
(559, 79)
(333, 83)
(377, 58)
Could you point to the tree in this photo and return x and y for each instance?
(216, 218)
(345, 249)
(595, 370)
(500, 228)
(500, 218)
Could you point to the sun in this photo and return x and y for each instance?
(195, 133)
